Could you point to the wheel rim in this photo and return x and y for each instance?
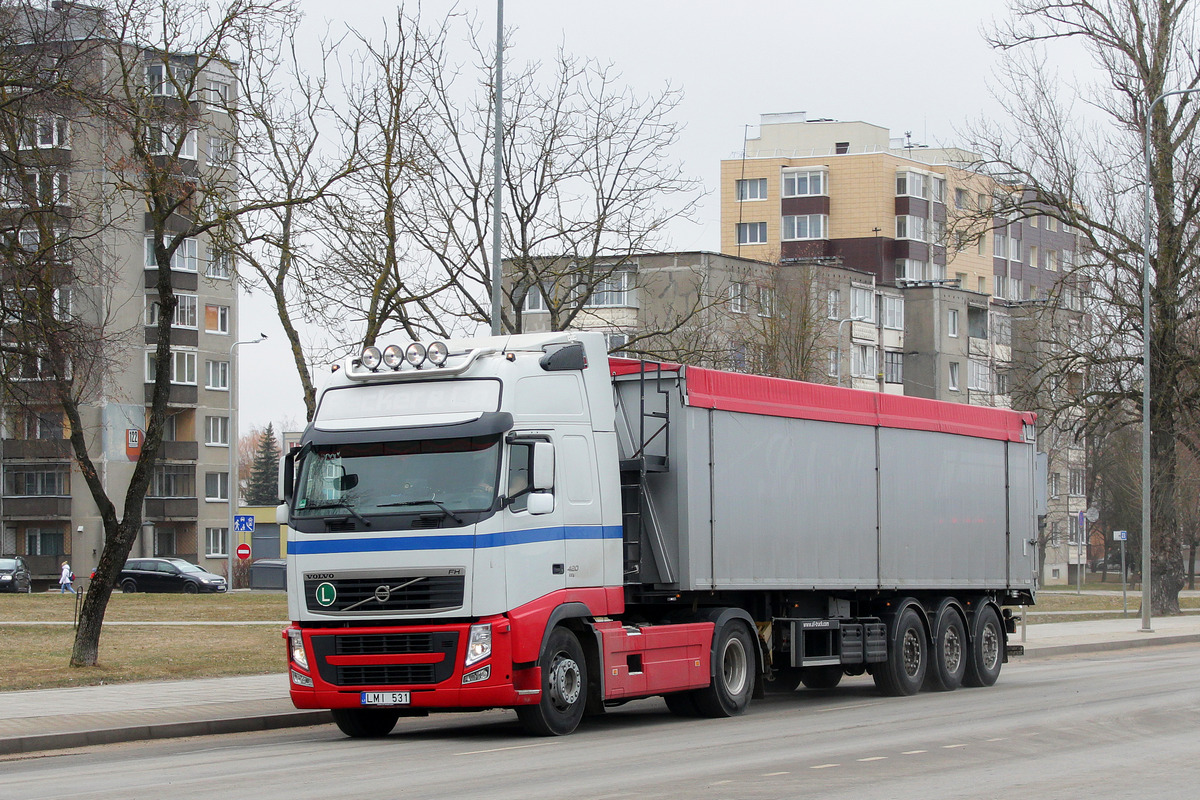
(989, 646)
(565, 682)
(952, 649)
(733, 666)
(911, 652)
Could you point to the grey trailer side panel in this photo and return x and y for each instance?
(794, 503)
(1022, 538)
(944, 510)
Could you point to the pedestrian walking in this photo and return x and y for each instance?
(65, 579)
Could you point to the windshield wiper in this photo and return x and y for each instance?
(446, 511)
(347, 506)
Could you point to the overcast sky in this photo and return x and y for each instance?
(919, 66)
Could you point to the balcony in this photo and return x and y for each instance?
(181, 394)
(37, 508)
(171, 508)
(27, 449)
(179, 451)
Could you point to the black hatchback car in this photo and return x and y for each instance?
(14, 575)
(167, 575)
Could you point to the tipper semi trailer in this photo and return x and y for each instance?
(524, 522)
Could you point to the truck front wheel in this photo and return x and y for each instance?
(365, 723)
(564, 688)
(733, 676)
(908, 658)
(987, 649)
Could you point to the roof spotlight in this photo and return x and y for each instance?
(415, 354)
(393, 356)
(437, 353)
(371, 357)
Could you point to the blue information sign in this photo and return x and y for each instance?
(243, 523)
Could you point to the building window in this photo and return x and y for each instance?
(766, 301)
(752, 233)
(752, 189)
(954, 376)
(835, 366)
(1073, 529)
(1077, 482)
(186, 257)
(737, 298)
(173, 480)
(937, 189)
(183, 367)
(833, 304)
(615, 341)
(979, 376)
(216, 319)
(36, 480)
(1000, 246)
(534, 300)
(44, 542)
(220, 265)
(1034, 260)
(216, 375)
(910, 227)
(612, 291)
(1056, 536)
(36, 188)
(216, 486)
(910, 269)
(912, 184)
(862, 303)
(803, 184)
(45, 131)
(893, 367)
(216, 431)
(220, 151)
(169, 140)
(893, 312)
(214, 542)
(218, 94)
(165, 80)
(952, 322)
(164, 541)
(960, 198)
(862, 361)
(185, 312)
(1001, 379)
(39, 424)
(805, 226)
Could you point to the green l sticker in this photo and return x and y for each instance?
(326, 594)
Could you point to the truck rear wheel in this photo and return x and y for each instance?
(564, 688)
(682, 704)
(948, 661)
(987, 649)
(365, 723)
(733, 676)
(908, 658)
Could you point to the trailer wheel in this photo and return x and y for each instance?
(564, 688)
(948, 661)
(365, 723)
(821, 677)
(908, 658)
(987, 649)
(733, 679)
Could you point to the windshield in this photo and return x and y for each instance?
(185, 567)
(372, 478)
(8, 563)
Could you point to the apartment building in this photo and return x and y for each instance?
(60, 171)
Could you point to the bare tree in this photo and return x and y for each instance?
(1085, 170)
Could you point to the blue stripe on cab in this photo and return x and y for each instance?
(455, 541)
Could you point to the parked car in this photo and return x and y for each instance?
(167, 575)
(14, 575)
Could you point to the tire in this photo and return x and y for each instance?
(682, 704)
(564, 688)
(190, 588)
(950, 652)
(128, 586)
(365, 723)
(733, 678)
(784, 681)
(908, 658)
(821, 677)
(986, 653)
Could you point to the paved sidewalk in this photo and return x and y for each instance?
(48, 719)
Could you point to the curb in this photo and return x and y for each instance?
(1100, 647)
(33, 743)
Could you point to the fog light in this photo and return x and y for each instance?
(300, 679)
(478, 675)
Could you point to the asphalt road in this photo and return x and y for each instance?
(1121, 725)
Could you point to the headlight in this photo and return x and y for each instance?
(479, 645)
(392, 356)
(371, 357)
(437, 353)
(296, 648)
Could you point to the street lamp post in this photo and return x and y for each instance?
(1146, 367)
(232, 487)
(839, 344)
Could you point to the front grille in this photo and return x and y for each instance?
(443, 644)
(388, 594)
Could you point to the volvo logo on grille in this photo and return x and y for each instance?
(383, 593)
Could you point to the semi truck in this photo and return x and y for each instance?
(524, 522)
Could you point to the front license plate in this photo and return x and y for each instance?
(385, 698)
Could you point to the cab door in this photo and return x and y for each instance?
(533, 520)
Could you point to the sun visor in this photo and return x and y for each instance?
(490, 423)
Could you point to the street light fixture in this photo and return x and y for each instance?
(839, 343)
(1146, 367)
(232, 482)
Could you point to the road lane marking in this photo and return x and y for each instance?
(504, 749)
(999, 739)
(874, 758)
(843, 708)
(824, 766)
(774, 774)
(952, 746)
(913, 752)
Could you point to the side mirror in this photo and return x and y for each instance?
(543, 466)
(541, 503)
(281, 514)
(287, 472)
